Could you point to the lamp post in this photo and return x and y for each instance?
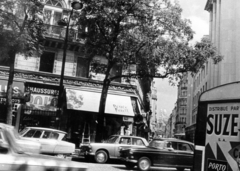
(65, 22)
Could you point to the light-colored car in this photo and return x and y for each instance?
(13, 158)
(111, 147)
(52, 141)
(26, 145)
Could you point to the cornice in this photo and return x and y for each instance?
(48, 78)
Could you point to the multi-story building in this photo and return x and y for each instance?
(170, 126)
(41, 74)
(223, 32)
(181, 108)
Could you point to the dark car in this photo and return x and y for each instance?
(160, 153)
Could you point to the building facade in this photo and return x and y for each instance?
(40, 75)
(223, 33)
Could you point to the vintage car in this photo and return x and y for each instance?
(160, 153)
(26, 145)
(109, 149)
(13, 158)
(52, 141)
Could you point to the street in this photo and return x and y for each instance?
(114, 165)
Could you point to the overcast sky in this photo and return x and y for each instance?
(193, 10)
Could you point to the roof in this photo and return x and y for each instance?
(47, 129)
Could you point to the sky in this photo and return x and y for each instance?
(194, 11)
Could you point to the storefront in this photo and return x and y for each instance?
(17, 98)
(83, 106)
(42, 108)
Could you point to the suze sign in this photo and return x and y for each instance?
(217, 135)
(223, 123)
(223, 120)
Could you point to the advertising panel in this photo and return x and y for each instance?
(222, 136)
(217, 137)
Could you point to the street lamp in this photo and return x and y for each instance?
(65, 22)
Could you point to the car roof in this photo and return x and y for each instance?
(47, 129)
(173, 139)
(131, 136)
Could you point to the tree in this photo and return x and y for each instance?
(21, 28)
(148, 33)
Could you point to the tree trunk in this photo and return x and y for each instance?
(12, 55)
(102, 105)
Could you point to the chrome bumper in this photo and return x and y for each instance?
(128, 160)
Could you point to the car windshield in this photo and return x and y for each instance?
(157, 144)
(23, 131)
(112, 139)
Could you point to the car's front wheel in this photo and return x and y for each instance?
(144, 163)
(101, 157)
(129, 165)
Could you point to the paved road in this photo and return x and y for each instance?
(114, 165)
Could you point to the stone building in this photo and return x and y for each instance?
(41, 74)
(223, 32)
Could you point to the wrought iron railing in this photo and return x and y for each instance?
(59, 32)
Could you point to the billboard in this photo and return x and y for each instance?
(217, 137)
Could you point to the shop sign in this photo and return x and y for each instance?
(42, 102)
(3, 100)
(47, 91)
(18, 89)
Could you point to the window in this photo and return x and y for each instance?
(46, 135)
(125, 140)
(30, 133)
(37, 134)
(51, 15)
(82, 67)
(47, 62)
(184, 147)
(137, 141)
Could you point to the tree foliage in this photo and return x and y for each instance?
(149, 33)
(21, 28)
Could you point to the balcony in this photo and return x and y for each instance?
(59, 32)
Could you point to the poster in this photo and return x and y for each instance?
(222, 137)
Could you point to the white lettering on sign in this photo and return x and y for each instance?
(43, 91)
(217, 166)
(120, 109)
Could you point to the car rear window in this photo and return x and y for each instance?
(50, 135)
(137, 141)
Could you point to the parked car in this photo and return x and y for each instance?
(52, 141)
(13, 158)
(26, 145)
(160, 153)
(109, 149)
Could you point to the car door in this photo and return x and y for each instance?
(124, 142)
(165, 155)
(185, 154)
(48, 141)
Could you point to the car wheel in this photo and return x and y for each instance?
(144, 164)
(129, 165)
(101, 157)
(180, 169)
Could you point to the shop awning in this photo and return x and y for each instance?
(89, 101)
